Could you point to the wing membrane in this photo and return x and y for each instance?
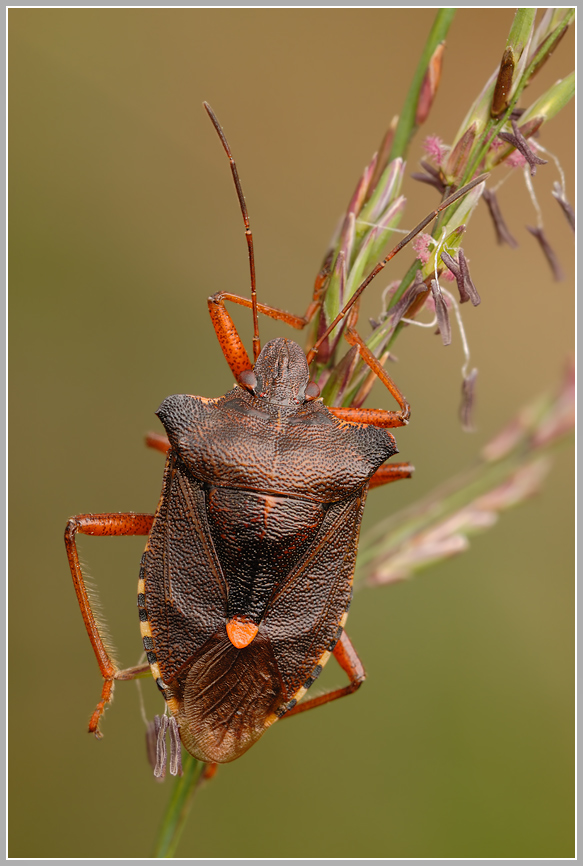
(227, 696)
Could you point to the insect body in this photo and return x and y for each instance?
(246, 579)
(248, 569)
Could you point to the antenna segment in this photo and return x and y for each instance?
(248, 234)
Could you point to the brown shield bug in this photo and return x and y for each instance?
(246, 579)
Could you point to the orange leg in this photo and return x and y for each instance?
(347, 658)
(102, 524)
(378, 417)
(238, 359)
(207, 774)
(231, 343)
(391, 472)
(158, 441)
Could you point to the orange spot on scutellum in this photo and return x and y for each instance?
(241, 631)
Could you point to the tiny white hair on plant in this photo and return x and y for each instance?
(555, 160)
(462, 330)
(385, 228)
(533, 198)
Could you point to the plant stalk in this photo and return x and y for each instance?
(178, 808)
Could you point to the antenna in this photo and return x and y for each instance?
(248, 234)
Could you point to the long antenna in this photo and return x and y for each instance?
(402, 243)
(248, 235)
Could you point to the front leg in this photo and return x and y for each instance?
(231, 343)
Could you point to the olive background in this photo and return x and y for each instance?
(123, 219)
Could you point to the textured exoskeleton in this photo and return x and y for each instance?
(247, 574)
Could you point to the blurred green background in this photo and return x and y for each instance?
(123, 219)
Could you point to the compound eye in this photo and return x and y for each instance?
(248, 380)
(312, 391)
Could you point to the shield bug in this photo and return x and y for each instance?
(246, 579)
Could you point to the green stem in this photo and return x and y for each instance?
(406, 127)
(178, 808)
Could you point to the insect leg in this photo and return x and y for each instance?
(231, 344)
(347, 658)
(158, 441)
(101, 524)
(391, 472)
(228, 336)
(378, 417)
(208, 773)
(133, 673)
